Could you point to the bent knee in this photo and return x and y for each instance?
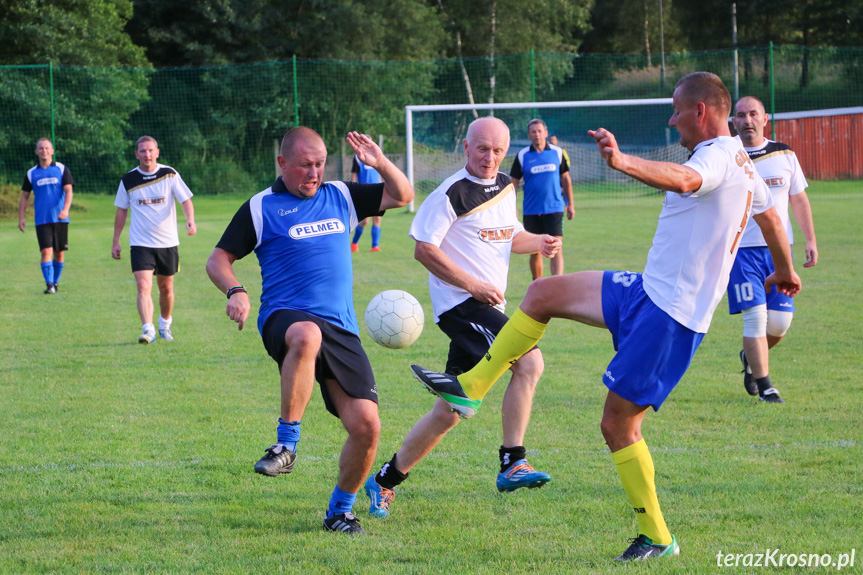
(530, 365)
(304, 337)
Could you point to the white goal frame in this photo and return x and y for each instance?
(409, 123)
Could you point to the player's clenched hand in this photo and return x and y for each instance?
(811, 255)
(365, 148)
(21, 225)
(486, 293)
(115, 251)
(193, 229)
(789, 285)
(549, 245)
(238, 308)
(608, 148)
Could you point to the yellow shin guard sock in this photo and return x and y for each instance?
(517, 337)
(635, 467)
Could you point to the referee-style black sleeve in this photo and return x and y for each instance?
(367, 199)
(516, 172)
(355, 167)
(27, 186)
(564, 165)
(240, 238)
(67, 177)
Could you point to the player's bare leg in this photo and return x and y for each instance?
(518, 399)
(576, 296)
(303, 340)
(425, 435)
(144, 281)
(166, 295)
(47, 255)
(536, 266)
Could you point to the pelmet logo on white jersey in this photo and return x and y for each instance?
(47, 181)
(321, 228)
(543, 168)
(774, 181)
(496, 235)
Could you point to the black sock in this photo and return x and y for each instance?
(763, 383)
(389, 476)
(509, 455)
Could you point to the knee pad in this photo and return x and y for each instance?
(778, 322)
(755, 321)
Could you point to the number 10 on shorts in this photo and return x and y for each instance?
(744, 292)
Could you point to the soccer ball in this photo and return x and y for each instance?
(394, 319)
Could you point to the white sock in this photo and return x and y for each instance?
(165, 323)
(148, 328)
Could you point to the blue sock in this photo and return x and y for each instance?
(58, 269)
(358, 231)
(341, 502)
(48, 272)
(288, 434)
(376, 235)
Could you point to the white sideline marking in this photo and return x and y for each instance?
(72, 467)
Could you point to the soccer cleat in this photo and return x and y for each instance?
(147, 337)
(278, 459)
(344, 522)
(448, 388)
(642, 548)
(770, 395)
(748, 380)
(50, 288)
(166, 334)
(381, 497)
(56, 287)
(521, 474)
(355, 248)
(375, 249)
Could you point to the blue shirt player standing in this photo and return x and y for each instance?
(51, 185)
(299, 228)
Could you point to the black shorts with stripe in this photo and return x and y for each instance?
(341, 357)
(471, 327)
(54, 236)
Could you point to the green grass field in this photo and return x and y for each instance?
(117, 457)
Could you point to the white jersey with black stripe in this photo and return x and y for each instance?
(473, 221)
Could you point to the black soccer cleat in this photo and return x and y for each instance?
(448, 388)
(278, 459)
(748, 380)
(50, 288)
(642, 548)
(344, 522)
(770, 395)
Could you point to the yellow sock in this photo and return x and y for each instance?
(635, 467)
(517, 337)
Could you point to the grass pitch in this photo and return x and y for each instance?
(117, 457)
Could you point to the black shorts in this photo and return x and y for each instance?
(54, 236)
(471, 327)
(551, 224)
(163, 261)
(341, 356)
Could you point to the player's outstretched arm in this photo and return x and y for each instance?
(784, 278)
(397, 188)
(803, 214)
(442, 267)
(119, 224)
(525, 242)
(220, 269)
(666, 176)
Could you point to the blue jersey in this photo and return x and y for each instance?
(365, 174)
(303, 247)
(541, 172)
(48, 195)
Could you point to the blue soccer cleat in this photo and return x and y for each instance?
(381, 498)
(521, 474)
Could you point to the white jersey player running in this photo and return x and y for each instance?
(766, 316)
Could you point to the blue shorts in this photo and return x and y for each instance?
(653, 350)
(746, 284)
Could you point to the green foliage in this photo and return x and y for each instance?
(123, 458)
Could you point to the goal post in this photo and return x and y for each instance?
(433, 135)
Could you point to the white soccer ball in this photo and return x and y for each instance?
(394, 319)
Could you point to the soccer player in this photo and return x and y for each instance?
(150, 191)
(552, 139)
(363, 174)
(51, 184)
(657, 319)
(299, 228)
(766, 316)
(543, 167)
(464, 232)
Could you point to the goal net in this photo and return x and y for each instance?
(435, 133)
